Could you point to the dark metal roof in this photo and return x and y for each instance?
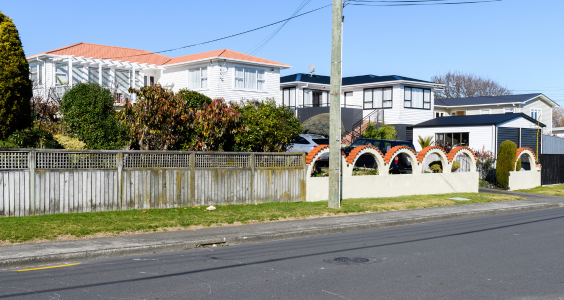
(346, 80)
(485, 100)
(475, 120)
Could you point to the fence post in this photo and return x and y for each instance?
(252, 162)
(303, 187)
(31, 166)
(193, 178)
(119, 159)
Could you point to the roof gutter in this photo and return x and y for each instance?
(228, 59)
(489, 104)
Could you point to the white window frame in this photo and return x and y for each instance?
(484, 109)
(509, 110)
(38, 67)
(56, 75)
(199, 81)
(265, 90)
(538, 112)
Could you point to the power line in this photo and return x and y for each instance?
(255, 49)
(225, 37)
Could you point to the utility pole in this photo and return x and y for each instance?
(335, 108)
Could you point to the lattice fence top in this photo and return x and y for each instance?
(69, 160)
(223, 160)
(156, 160)
(278, 161)
(13, 160)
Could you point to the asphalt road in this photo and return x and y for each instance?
(512, 256)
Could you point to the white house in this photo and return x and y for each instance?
(482, 132)
(537, 106)
(404, 101)
(222, 73)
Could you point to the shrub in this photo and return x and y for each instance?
(156, 120)
(267, 128)
(436, 166)
(69, 143)
(455, 166)
(193, 99)
(518, 167)
(34, 138)
(386, 132)
(425, 142)
(88, 111)
(319, 124)
(5, 144)
(505, 162)
(15, 85)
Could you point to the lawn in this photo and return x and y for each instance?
(113, 223)
(554, 190)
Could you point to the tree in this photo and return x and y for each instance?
(267, 127)
(15, 85)
(558, 117)
(425, 142)
(157, 119)
(385, 132)
(193, 99)
(464, 85)
(505, 162)
(88, 111)
(319, 124)
(212, 127)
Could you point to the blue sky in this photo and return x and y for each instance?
(515, 42)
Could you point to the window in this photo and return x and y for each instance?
(485, 111)
(509, 110)
(348, 98)
(378, 98)
(198, 78)
(452, 139)
(61, 74)
(122, 81)
(152, 80)
(250, 79)
(439, 114)
(316, 98)
(417, 98)
(78, 74)
(300, 140)
(36, 74)
(93, 75)
(289, 97)
(536, 113)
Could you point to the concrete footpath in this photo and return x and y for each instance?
(27, 255)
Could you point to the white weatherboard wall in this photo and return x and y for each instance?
(546, 112)
(480, 136)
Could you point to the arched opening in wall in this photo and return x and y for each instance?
(461, 163)
(525, 163)
(321, 166)
(401, 164)
(366, 164)
(432, 163)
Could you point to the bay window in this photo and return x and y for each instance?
(417, 98)
(198, 78)
(250, 79)
(36, 74)
(378, 98)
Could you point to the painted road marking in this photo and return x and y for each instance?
(59, 266)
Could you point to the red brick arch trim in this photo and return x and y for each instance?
(421, 155)
(521, 150)
(352, 156)
(390, 154)
(311, 155)
(454, 151)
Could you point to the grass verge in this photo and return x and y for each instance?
(553, 190)
(112, 223)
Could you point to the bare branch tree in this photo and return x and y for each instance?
(558, 117)
(464, 85)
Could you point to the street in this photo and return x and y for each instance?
(511, 256)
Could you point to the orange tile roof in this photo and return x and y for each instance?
(143, 56)
(110, 52)
(223, 53)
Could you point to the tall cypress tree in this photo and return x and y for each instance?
(15, 85)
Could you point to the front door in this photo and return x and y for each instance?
(460, 113)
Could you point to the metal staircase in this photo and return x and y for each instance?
(376, 117)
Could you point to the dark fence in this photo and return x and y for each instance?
(552, 171)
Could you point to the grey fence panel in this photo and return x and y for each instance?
(552, 145)
(64, 181)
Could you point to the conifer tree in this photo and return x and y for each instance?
(15, 85)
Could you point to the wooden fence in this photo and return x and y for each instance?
(34, 182)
